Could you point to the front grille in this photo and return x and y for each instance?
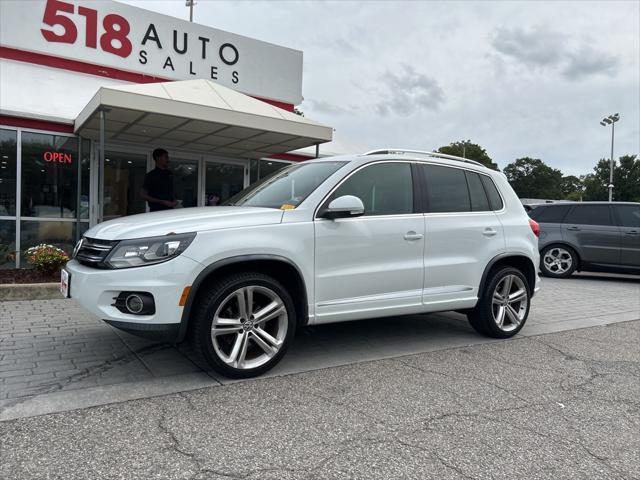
(93, 252)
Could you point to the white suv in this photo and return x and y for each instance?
(386, 233)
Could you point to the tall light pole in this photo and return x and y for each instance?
(190, 4)
(611, 120)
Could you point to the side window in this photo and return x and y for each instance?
(495, 200)
(384, 188)
(552, 214)
(589, 215)
(446, 189)
(479, 200)
(629, 215)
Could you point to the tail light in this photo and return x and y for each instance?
(535, 228)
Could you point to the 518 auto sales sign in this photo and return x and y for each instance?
(113, 34)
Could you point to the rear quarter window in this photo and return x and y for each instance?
(495, 200)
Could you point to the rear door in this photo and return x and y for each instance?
(628, 217)
(592, 230)
(462, 234)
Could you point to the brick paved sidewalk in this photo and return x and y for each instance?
(53, 346)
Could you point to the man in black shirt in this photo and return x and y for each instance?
(157, 189)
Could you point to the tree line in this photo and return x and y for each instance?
(532, 178)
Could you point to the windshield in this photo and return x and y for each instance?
(286, 188)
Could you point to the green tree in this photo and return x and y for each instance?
(532, 178)
(472, 151)
(626, 180)
(572, 187)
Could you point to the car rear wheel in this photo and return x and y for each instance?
(503, 307)
(243, 325)
(558, 261)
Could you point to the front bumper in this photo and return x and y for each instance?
(95, 290)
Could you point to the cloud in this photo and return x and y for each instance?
(587, 62)
(323, 107)
(409, 91)
(536, 47)
(542, 48)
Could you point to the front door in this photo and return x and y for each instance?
(629, 221)
(222, 181)
(591, 228)
(371, 265)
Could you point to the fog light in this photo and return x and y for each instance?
(135, 303)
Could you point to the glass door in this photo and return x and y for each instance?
(222, 181)
(123, 178)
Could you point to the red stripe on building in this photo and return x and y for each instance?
(99, 70)
(34, 124)
(291, 157)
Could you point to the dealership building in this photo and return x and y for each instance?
(88, 89)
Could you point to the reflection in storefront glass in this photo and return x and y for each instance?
(59, 234)
(85, 163)
(7, 243)
(185, 182)
(267, 167)
(223, 180)
(123, 179)
(8, 149)
(49, 175)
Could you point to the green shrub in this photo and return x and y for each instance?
(46, 258)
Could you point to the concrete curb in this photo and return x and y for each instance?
(29, 291)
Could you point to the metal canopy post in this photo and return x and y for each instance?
(101, 156)
(317, 150)
(78, 188)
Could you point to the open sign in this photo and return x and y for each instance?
(58, 157)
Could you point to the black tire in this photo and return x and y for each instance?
(483, 317)
(208, 304)
(550, 271)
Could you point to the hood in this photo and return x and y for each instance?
(184, 220)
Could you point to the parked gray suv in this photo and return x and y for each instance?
(588, 236)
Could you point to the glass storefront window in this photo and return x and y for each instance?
(7, 243)
(85, 181)
(123, 178)
(60, 234)
(267, 167)
(222, 181)
(185, 181)
(8, 163)
(49, 175)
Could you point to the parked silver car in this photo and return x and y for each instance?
(588, 236)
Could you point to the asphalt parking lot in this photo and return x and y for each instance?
(556, 406)
(55, 357)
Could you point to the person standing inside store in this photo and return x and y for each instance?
(157, 189)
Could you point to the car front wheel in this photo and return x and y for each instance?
(243, 325)
(503, 307)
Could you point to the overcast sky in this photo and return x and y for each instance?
(519, 78)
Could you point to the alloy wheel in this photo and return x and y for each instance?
(509, 304)
(557, 260)
(249, 327)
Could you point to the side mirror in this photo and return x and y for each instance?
(344, 207)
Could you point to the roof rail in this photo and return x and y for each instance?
(391, 151)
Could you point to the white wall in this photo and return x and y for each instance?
(46, 93)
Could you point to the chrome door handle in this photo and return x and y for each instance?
(574, 229)
(632, 232)
(412, 236)
(489, 232)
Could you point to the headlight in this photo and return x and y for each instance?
(148, 251)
